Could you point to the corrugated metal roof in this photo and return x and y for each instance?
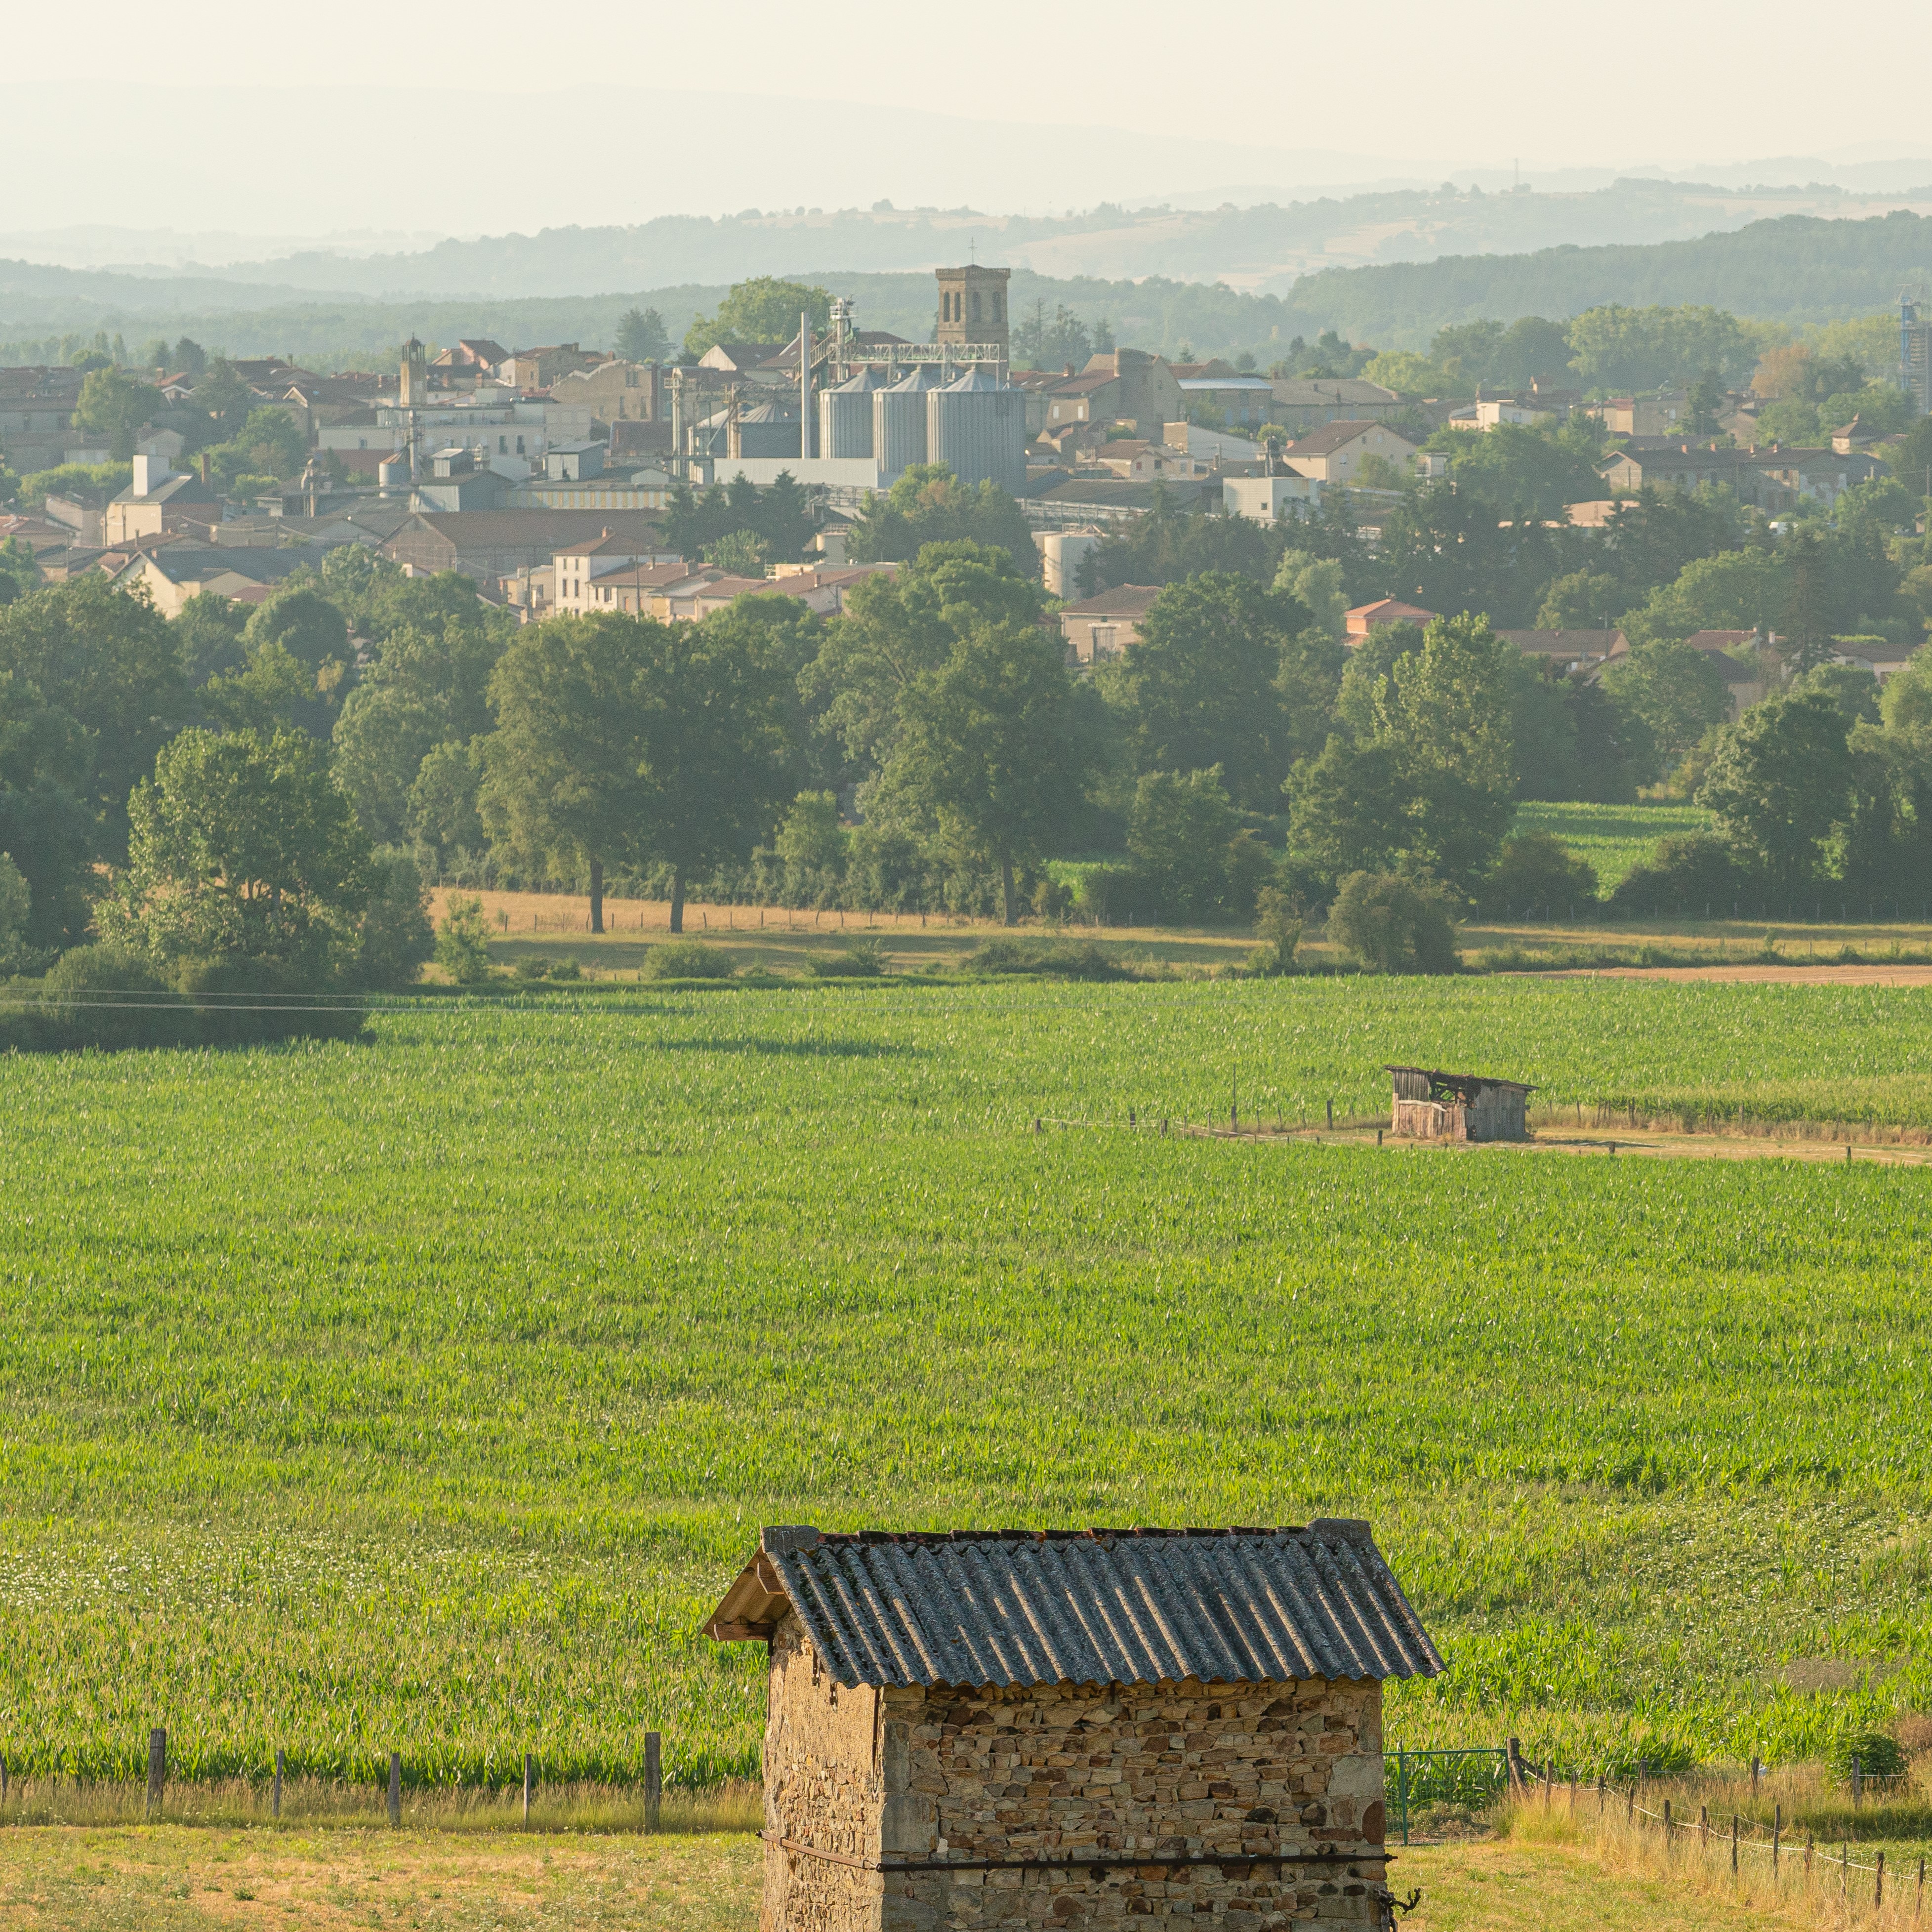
(1017, 1607)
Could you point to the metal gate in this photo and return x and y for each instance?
(1412, 1780)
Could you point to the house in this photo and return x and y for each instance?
(474, 355)
(1599, 514)
(1573, 652)
(1770, 476)
(159, 499)
(1102, 627)
(1002, 1730)
(1431, 1105)
(1136, 459)
(614, 392)
(1303, 403)
(1366, 617)
(1333, 453)
(1239, 400)
(1125, 386)
(455, 483)
(539, 368)
(1538, 404)
(1855, 435)
(1748, 680)
(739, 358)
(1266, 496)
(1659, 415)
(823, 588)
(584, 563)
(171, 574)
(488, 544)
(631, 587)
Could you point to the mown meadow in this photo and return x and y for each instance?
(423, 1393)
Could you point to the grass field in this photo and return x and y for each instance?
(422, 1394)
(1613, 838)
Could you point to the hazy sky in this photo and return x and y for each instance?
(364, 115)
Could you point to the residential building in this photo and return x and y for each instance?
(37, 406)
(1770, 476)
(1240, 401)
(474, 355)
(160, 500)
(1574, 652)
(1126, 385)
(823, 588)
(613, 392)
(1365, 618)
(1136, 459)
(1334, 452)
(623, 587)
(1745, 660)
(489, 544)
(1659, 415)
(1302, 403)
(584, 562)
(1100, 627)
(1266, 496)
(173, 573)
(539, 368)
(740, 358)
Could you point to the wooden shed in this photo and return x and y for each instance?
(1432, 1106)
(989, 1730)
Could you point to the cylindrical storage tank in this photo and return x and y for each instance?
(768, 429)
(976, 427)
(899, 422)
(845, 416)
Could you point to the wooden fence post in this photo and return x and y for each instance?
(1878, 1882)
(3, 1778)
(1548, 1780)
(1754, 1771)
(157, 1767)
(395, 1788)
(1667, 1828)
(1858, 1779)
(653, 1778)
(526, 1791)
(281, 1764)
(1704, 1827)
(1777, 1832)
(1603, 1788)
(1734, 1844)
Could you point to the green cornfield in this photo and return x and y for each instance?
(422, 1393)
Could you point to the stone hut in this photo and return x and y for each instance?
(1431, 1105)
(989, 1730)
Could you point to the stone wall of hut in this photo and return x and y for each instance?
(1191, 1793)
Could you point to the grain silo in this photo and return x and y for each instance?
(898, 421)
(976, 427)
(845, 416)
(768, 429)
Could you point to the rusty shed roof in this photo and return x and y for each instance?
(1468, 1085)
(1085, 1606)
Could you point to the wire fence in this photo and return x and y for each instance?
(1746, 1837)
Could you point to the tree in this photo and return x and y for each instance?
(16, 908)
(442, 815)
(1532, 470)
(107, 661)
(1444, 712)
(993, 740)
(295, 671)
(1616, 348)
(187, 358)
(764, 309)
(428, 686)
(1346, 815)
(1805, 644)
(641, 336)
(1198, 687)
(897, 627)
(220, 394)
(115, 405)
(46, 759)
(242, 849)
(1536, 872)
(1736, 590)
(1391, 923)
(1581, 600)
(1778, 783)
(720, 733)
(1178, 835)
(208, 636)
(1316, 583)
(562, 788)
(928, 505)
(778, 517)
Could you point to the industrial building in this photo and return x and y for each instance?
(863, 412)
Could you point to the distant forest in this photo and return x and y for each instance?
(1792, 270)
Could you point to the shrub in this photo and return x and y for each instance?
(687, 959)
(539, 966)
(1108, 894)
(1536, 872)
(462, 946)
(859, 959)
(1050, 899)
(397, 937)
(1393, 924)
(1684, 875)
(1878, 1755)
(16, 905)
(1060, 959)
(1278, 927)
